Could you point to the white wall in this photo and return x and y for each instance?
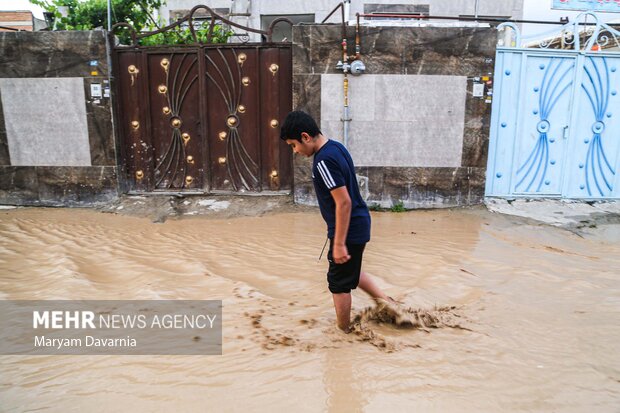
(541, 10)
(320, 8)
(190, 4)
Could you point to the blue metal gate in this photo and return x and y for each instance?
(555, 125)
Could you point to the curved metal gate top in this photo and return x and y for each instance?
(203, 117)
(555, 128)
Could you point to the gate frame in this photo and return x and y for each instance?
(595, 35)
(125, 182)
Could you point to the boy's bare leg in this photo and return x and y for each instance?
(342, 303)
(368, 285)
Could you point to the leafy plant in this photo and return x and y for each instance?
(92, 14)
(184, 35)
(398, 207)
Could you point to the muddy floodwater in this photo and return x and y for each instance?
(523, 317)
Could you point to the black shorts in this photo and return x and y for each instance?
(342, 278)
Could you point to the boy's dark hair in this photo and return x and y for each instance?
(297, 122)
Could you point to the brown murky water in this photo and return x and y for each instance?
(528, 316)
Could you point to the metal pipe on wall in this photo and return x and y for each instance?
(344, 65)
(109, 15)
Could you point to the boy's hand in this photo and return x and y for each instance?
(340, 254)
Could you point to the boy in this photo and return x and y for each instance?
(342, 208)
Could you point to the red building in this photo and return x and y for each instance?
(17, 20)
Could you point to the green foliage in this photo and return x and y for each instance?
(398, 207)
(184, 36)
(92, 14)
(374, 207)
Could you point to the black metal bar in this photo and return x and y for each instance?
(341, 7)
(464, 18)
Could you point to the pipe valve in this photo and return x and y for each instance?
(343, 66)
(357, 67)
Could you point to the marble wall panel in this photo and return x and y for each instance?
(45, 121)
(424, 173)
(4, 143)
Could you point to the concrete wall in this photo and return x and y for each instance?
(56, 140)
(418, 134)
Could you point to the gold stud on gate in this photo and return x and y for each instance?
(162, 89)
(190, 159)
(245, 81)
(175, 122)
(165, 63)
(189, 180)
(133, 72)
(135, 124)
(185, 137)
(221, 160)
(242, 58)
(222, 135)
(274, 123)
(241, 109)
(232, 121)
(139, 175)
(274, 68)
(274, 174)
(166, 110)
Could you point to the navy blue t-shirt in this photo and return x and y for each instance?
(333, 168)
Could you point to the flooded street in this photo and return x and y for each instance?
(529, 314)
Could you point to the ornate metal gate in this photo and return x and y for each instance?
(555, 128)
(203, 117)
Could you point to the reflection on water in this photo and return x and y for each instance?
(538, 306)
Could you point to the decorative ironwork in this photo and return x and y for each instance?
(550, 91)
(189, 20)
(225, 78)
(242, 170)
(598, 169)
(170, 165)
(580, 35)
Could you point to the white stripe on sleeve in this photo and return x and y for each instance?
(332, 183)
(327, 183)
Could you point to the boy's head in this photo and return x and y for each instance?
(299, 130)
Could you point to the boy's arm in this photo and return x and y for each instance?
(340, 255)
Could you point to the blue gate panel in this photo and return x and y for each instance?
(593, 165)
(503, 122)
(555, 123)
(543, 124)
